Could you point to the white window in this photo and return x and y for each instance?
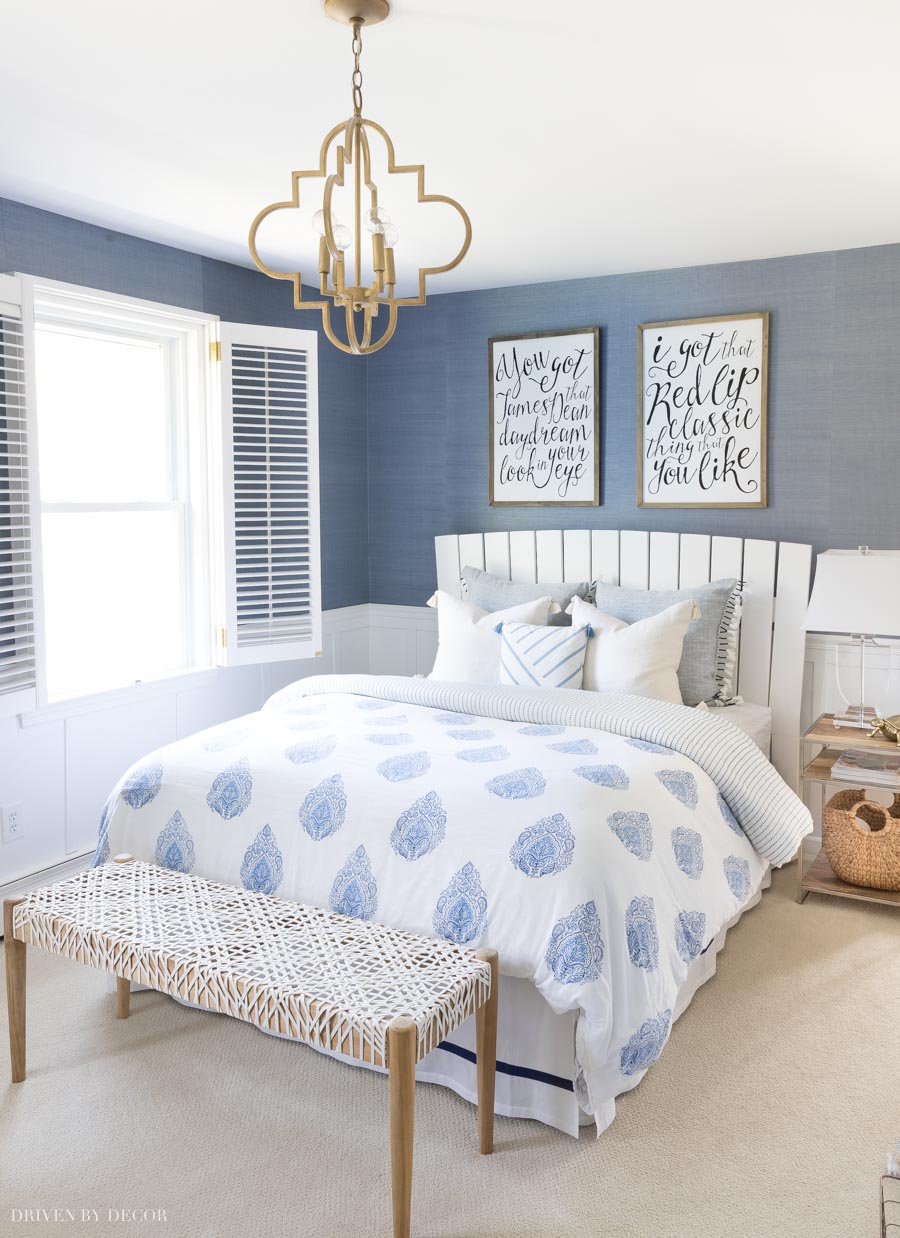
(121, 403)
(174, 498)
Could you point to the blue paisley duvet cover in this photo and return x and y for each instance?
(599, 842)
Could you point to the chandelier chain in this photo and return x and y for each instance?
(356, 79)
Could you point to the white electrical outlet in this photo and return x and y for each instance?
(11, 822)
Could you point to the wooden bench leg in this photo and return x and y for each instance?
(123, 987)
(403, 1039)
(123, 997)
(15, 990)
(486, 1050)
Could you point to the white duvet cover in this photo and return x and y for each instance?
(600, 842)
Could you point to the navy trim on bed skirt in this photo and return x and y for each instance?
(507, 1068)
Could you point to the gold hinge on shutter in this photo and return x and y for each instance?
(215, 350)
(222, 637)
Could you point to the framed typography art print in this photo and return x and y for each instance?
(544, 418)
(702, 385)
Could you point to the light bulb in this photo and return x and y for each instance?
(342, 236)
(376, 218)
(391, 235)
(318, 222)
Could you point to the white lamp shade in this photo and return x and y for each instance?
(856, 592)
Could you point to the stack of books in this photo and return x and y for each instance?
(879, 768)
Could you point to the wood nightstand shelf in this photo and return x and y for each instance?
(832, 741)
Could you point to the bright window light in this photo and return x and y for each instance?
(105, 422)
(113, 599)
(122, 543)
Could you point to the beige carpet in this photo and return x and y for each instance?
(768, 1116)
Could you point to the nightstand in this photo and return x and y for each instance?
(832, 741)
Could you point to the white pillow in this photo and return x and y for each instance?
(533, 656)
(468, 642)
(637, 657)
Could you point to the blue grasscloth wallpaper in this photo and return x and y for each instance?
(404, 448)
(834, 415)
(40, 243)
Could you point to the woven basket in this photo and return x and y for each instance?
(859, 856)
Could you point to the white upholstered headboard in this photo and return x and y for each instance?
(775, 576)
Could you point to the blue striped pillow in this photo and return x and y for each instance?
(542, 657)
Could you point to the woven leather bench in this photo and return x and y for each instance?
(356, 988)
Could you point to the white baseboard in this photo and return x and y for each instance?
(46, 876)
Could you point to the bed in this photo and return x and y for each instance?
(603, 843)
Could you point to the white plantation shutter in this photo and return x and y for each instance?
(271, 573)
(17, 621)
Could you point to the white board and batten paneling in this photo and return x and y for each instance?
(61, 762)
(775, 578)
(788, 655)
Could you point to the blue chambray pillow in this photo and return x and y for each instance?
(542, 657)
(492, 592)
(706, 670)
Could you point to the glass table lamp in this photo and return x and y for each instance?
(856, 592)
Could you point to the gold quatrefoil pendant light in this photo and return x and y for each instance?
(362, 250)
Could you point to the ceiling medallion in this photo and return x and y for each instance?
(364, 249)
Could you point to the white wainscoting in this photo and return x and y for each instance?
(61, 766)
(402, 639)
(61, 763)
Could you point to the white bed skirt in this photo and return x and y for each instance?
(535, 1049)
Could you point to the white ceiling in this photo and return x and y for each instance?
(584, 137)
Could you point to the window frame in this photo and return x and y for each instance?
(191, 338)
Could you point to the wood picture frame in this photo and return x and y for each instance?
(567, 370)
(743, 461)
